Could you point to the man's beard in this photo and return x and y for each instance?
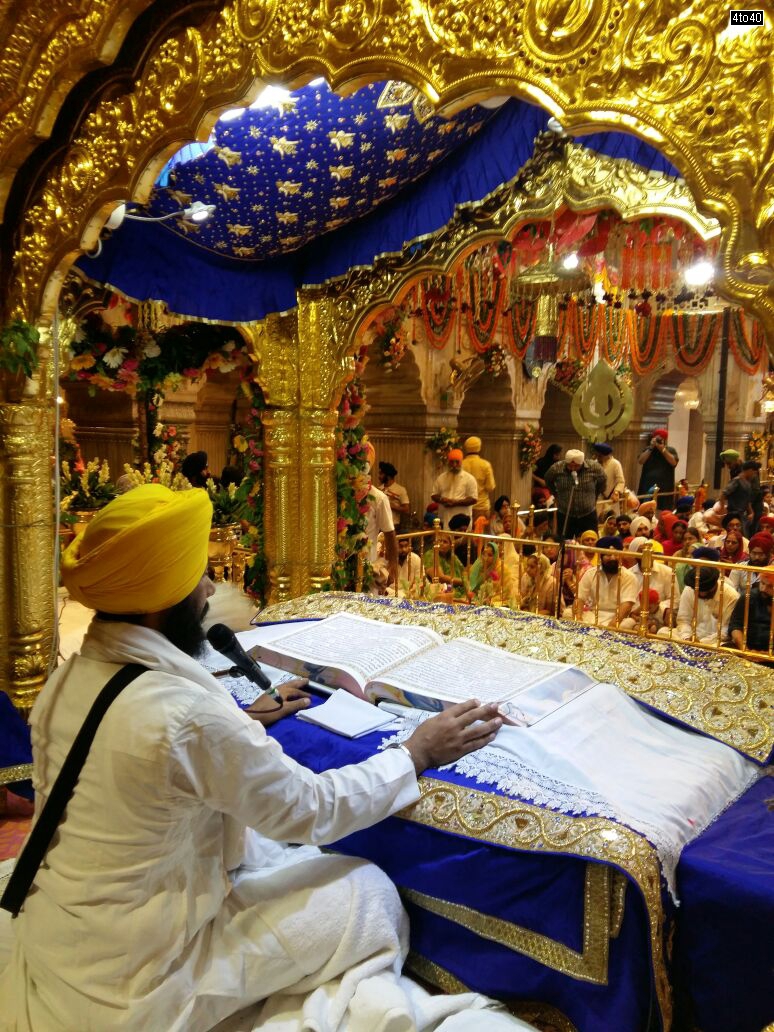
(183, 626)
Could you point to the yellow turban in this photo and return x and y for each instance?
(473, 444)
(144, 552)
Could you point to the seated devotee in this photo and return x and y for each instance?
(608, 527)
(411, 574)
(549, 547)
(195, 469)
(449, 570)
(607, 593)
(501, 506)
(622, 526)
(691, 541)
(661, 580)
(481, 471)
(732, 548)
(760, 629)
(124, 483)
(760, 551)
(168, 899)
(675, 540)
(705, 600)
(455, 490)
(641, 526)
(538, 587)
(464, 547)
(397, 495)
(583, 560)
(485, 576)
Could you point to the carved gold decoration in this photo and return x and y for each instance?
(589, 964)
(26, 543)
(39, 67)
(20, 772)
(603, 405)
(728, 698)
(665, 74)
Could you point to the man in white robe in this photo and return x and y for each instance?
(168, 898)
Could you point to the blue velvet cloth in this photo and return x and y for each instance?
(724, 946)
(537, 891)
(15, 747)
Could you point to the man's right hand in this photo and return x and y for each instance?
(459, 730)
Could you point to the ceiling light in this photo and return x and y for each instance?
(270, 96)
(570, 261)
(195, 212)
(232, 114)
(699, 274)
(198, 212)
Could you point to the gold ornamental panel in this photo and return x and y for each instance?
(670, 75)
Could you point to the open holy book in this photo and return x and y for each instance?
(414, 666)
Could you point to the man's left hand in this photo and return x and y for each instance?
(268, 712)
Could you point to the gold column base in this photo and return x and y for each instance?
(27, 545)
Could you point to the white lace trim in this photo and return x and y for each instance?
(489, 767)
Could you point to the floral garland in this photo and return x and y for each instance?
(114, 357)
(495, 361)
(389, 341)
(568, 374)
(530, 447)
(247, 444)
(438, 308)
(756, 446)
(351, 568)
(442, 442)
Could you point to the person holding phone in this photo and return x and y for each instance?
(658, 461)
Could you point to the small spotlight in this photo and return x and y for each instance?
(60, 400)
(570, 261)
(199, 212)
(699, 274)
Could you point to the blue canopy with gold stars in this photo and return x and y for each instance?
(305, 186)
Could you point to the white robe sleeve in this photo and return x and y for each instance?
(227, 760)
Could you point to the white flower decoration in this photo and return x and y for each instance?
(114, 357)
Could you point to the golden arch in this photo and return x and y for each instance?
(674, 79)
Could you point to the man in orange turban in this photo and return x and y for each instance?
(168, 899)
(455, 490)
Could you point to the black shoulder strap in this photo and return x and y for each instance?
(43, 830)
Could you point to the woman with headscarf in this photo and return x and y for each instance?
(691, 541)
(538, 589)
(484, 574)
(732, 550)
(675, 540)
(664, 523)
(450, 571)
(583, 560)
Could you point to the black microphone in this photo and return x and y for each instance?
(224, 640)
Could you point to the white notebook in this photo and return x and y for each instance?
(347, 715)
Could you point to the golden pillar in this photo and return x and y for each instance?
(27, 549)
(281, 506)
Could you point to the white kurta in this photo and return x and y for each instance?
(138, 918)
(709, 612)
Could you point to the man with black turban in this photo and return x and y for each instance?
(705, 600)
(195, 469)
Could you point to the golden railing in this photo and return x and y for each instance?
(443, 579)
